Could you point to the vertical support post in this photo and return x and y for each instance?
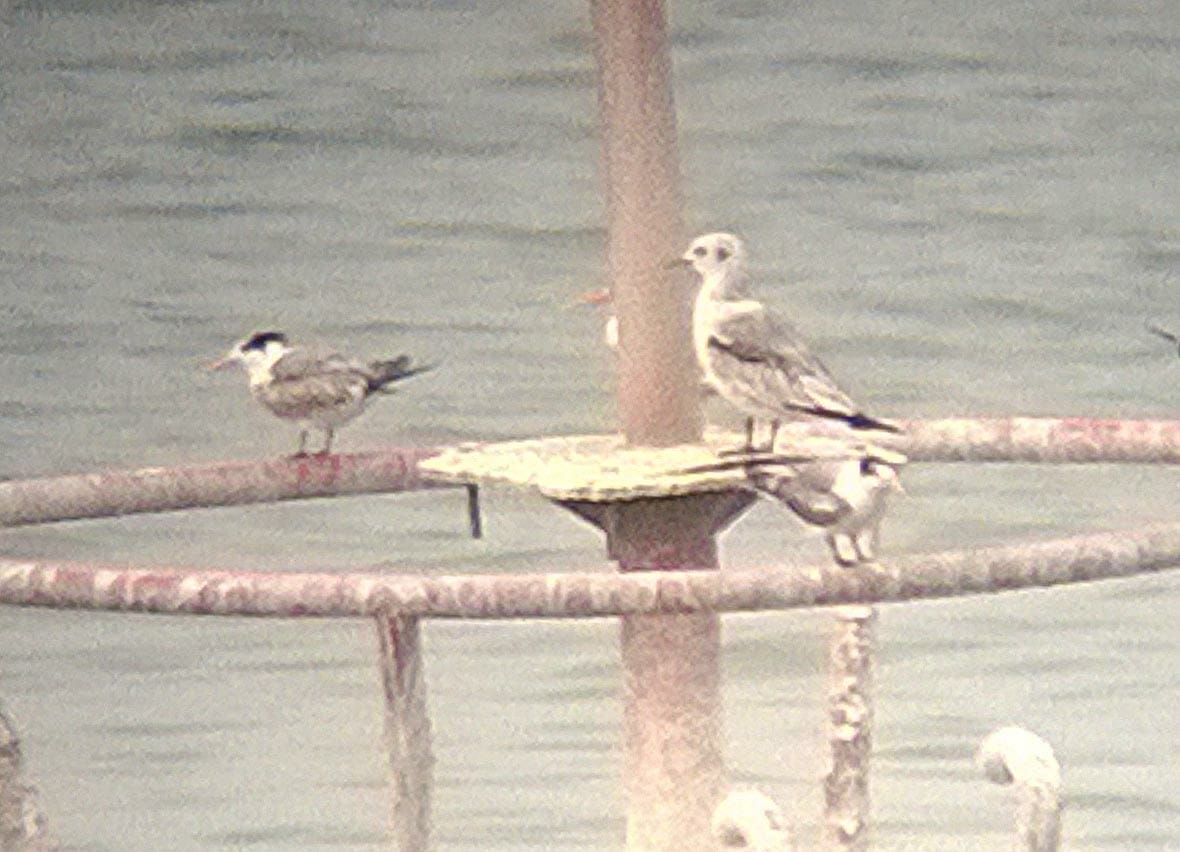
(850, 729)
(22, 825)
(658, 385)
(407, 730)
(673, 767)
(671, 728)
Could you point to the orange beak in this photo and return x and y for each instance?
(596, 297)
(219, 364)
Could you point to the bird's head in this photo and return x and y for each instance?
(878, 475)
(257, 353)
(720, 260)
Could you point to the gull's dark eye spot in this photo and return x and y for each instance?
(700, 251)
(723, 253)
(867, 467)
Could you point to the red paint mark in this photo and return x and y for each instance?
(315, 473)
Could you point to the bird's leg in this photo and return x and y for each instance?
(327, 443)
(842, 556)
(746, 448)
(774, 424)
(865, 544)
(864, 548)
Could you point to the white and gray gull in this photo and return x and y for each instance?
(753, 358)
(313, 387)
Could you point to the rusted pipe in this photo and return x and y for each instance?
(163, 489)
(159, 489)
(1041, 440)
(283, 594)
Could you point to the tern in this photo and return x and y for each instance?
(845, 496)
(753, 358)
(610, 327)
(847, 499)
(314, 387)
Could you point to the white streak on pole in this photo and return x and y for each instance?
(850, 729)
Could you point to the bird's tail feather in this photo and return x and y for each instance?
(387, 372)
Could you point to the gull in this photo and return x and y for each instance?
(610, 328)
(845, 494)
(749, 819)
(753, 358)
(1166, 335)
(1014, 755)
(314, 387)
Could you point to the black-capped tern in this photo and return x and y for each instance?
(311, 386)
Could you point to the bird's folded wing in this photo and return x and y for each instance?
(822, 510)
(301, 397)
(801, 491)
(753, 348)
(302, 362)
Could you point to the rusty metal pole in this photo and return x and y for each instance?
(671, 726)
(658, 392)
(23, 827)
(407, 730)
(850, 729)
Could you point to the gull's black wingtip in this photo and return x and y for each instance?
(864, 421)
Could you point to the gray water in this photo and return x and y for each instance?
(974, 206)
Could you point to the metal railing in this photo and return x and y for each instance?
(398, 603)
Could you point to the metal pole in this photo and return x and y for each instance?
(109, 493)
(671, 715)
(850, 729)
(407, 730)
(591, 594)
(658, 392)
(23, 827)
